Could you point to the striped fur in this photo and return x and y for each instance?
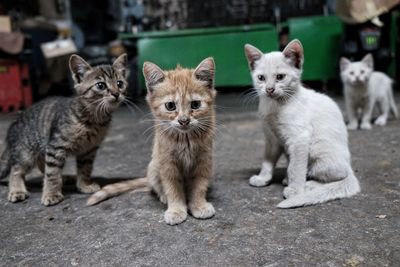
(4, 164)
(57, 127)
(181, 164)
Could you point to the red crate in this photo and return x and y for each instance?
(26, 86)
(15, 90)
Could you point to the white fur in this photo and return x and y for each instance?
(307, 126)
(363, 89)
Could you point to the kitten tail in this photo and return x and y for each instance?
(320, 193)
(5, 164)
(111, 190)
(393, 105)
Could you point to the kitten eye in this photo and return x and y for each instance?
(280, 77)
(120, 84)
(170, 106)
(362, 71)
(261, 77)
(101, 86)
(351, 72)
(195, 104)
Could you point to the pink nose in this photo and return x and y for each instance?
(184, 121)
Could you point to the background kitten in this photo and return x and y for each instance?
(307, 126)
(363, 88)
(47, 133)
(182, 103)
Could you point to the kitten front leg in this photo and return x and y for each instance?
(85, 166)
(197, 190)
(297, 169)
(172, 183)
(16, 184)
(52, 185)
(271, 155)
(351, 114)
(153, 177)
(366, 118)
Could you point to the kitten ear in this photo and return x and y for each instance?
(152, 74)
(369, 60)
(344, 63)
(205, 72)
(121, 63)
(252, 54)
(295, 53)
(78, 67)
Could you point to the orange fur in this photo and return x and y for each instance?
(181, 164)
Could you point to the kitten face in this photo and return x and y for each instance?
(182, 100)
(356, 73)
(103, 85)
(276, 74)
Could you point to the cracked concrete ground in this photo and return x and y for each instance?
(247, 229)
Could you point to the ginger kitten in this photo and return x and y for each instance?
(182, 103)
(57, 127)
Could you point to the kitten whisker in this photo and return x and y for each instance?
(153, 126)
(208, 126)
(90, 104)
(132, 110)
(249, 97)
(149, 114)
(133, 105)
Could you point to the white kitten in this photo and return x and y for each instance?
(307, 126)
(363, 88)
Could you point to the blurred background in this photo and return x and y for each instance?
(38, 36)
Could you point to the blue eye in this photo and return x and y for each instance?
(170, 106)
(101, 86)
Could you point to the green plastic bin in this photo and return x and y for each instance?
(189, 47)
(320, 36)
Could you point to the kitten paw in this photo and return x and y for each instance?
(163, 199)
(258, 181)
(87, 188)
(286, 204)
(290, 191)
(204, 211)
(366, 126)
(285, 181)
(52, 199)
(352, 126)
(380, 121)
(16, 196)
(174, 217)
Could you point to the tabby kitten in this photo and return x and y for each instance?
(49, 131)
(182, 102)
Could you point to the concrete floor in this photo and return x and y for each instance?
(247, 230)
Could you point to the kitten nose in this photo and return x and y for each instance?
(184, 121)
(116, 95)
(270, 90)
